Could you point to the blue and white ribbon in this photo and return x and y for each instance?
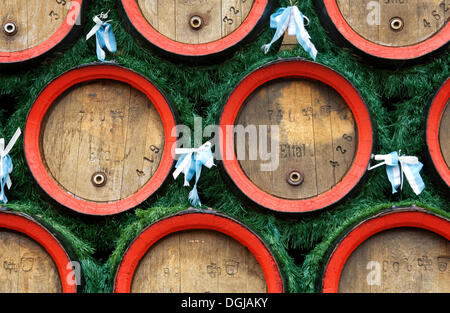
(104, 36)
(292, 19)
(6, 165)
(399, 166)
(191, 163)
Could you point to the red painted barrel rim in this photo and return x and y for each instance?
(139, 22)
(62, 32)
(395, 53)
(297, 69)
(371, 227)
(432, 131)
(32, 229)
(190, 221)
(47, 98)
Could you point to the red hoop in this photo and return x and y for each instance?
(296, 69)
(196, 220)
(63, 31)
(432, 131)
(340, 255)
(25, 225)
(381, 51)
(139, 22)
(43, 104)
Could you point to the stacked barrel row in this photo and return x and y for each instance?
(99, 141)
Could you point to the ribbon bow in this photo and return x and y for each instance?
(6, 165)
(397, 166)
(104, 36)
(292, 19)
(191, 163)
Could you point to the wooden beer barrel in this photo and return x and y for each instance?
(196, 30)
(32, 259)
(438, 133)
(98, 139)
(31, 29)
(402, 250)
(198, 251)
(324, 142)
(392, 29)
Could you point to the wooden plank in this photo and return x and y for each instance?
(344, 135)
(113, 135)
(304, 116)
(246, 6)
(154, 144)
(135, 145)
(149, 9)
(89, 155)
(70, 137)
(9, 262)
(289, 42)
(323, 143)
(199, 267)
(52, 145)
(25, 266)
(405, 260)
(444, 134)
(184, 12)
(167, 16)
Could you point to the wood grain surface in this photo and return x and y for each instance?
(444, 134)
(401, 260)
(102, 127)
(36, 21)
(198, 261)
(25, 267)
(172, 18)
(317, 136)
(421, 19)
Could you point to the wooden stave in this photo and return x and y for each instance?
(46, 188)
(389, 59)
(197, 219)
(57, 42)
(412, 217)
(434, 160)
(41, 232)
(280, 209)
(201, 59)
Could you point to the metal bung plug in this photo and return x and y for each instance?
(196, 22)
(295, 177)
(10, 28)
(99, 179)
(396, 24)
